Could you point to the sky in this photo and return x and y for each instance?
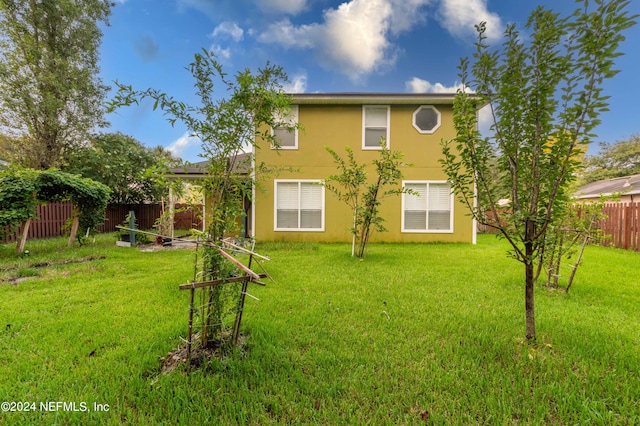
(324, 46)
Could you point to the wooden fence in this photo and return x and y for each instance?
(52, 217)
(620, 228)
(622, 225)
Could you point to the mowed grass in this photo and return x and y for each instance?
(415, 334)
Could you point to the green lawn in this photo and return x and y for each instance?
(415, 334)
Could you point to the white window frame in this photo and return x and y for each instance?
(364, 126)
(292, 118)
(415, 125)
(427, 230)
(275, 204)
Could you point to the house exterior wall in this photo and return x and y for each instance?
(338, 126)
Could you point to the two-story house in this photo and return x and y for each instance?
(292, 206)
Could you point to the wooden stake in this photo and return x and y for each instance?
(238, 264)
(23, 238)
(74, 226)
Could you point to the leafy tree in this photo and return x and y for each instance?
(226, 127)
(132, 171)
(618, 159)
(362, 196)
(545, 93)
(50, 92)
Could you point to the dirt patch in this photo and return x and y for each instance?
(200, 356)
(17, 280)
(67, 261)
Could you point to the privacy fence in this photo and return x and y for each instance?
(52, 219)
(620, 228)
(621, 225)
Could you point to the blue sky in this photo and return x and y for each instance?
(324, 46)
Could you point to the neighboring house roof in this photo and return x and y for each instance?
(197, 170)
(629, 185)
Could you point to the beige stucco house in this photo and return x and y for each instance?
(294, 206)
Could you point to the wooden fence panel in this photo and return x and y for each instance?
(187, 218)
(621, 226)
(52, 217)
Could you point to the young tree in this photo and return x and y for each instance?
(50, 92)
(227, 127)
(545, 93)
(364, 197)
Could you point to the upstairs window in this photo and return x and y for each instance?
(284, 138)
(429, 208)
(426, 119)
(375, 125)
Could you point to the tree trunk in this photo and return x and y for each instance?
(529, 301)
(529, 282)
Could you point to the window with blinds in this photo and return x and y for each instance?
(428, 207)
(283, 137)
(299, 206)
(375, 126)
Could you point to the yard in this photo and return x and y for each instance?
(415, 334)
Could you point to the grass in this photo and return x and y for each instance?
(415, 334)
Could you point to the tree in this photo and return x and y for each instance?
(545, 93)
(618, 159)
(362, 196)
(132, 171)
(226, 127)
(50, 92)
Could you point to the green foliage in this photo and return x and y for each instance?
(618, 159)
(226, 126)
(545, 93)
(362, 197)
(22, 189)
(50, 92)
(18, 201)
(134, 172)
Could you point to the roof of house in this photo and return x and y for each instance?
(197, 170)
(352, 98)
(626, 184)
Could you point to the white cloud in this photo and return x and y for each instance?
(183, 143)
(287, 35)
(297, 84)
(220, 52)
(418, 85)
(356, 38)
(459, 17)
(291, 7)
(228, 29)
